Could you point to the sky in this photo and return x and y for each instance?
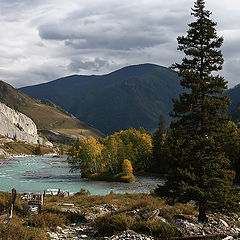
(42, 40)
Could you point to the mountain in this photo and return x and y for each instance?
(49, 118)
(133, 96)
(234, 109)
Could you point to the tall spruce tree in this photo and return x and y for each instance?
(159, 161)
(199, 166)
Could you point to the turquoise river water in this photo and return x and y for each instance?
(36, 174)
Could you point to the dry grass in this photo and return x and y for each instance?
(17, 148)
(4, 198)
(115, 221)
(46, 220)
(80, 132)
(110, 224)
(15, 230)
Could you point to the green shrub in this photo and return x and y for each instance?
(168, 212)
(4, 199)
(156, 228)
(147, 204)
(15, 231)
(109, 224)
(75, 217)
(44, 220)
(82, 191)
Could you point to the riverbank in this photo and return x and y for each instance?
(112, 178)
(114, 216)
(13, 149)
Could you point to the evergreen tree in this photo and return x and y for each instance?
(37, 149)
(199, 167)
(159, 162)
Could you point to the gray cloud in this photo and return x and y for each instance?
(106, 30)
(93, 65)
(232, 72)
(46, 39)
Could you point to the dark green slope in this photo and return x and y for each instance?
(234, 109)
(130, 97)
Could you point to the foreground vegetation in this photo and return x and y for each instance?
(107, 215)
(35, 227)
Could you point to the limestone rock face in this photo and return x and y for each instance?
(16, 125)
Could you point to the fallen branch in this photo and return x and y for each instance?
(200, 237)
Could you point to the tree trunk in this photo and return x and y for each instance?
(202, 217)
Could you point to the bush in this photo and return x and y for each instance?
(4, 198)
(83, 191)
(75, 217)
(44, 220)
(109, 224)
(156, 228)
(15, 231)
(168, 212)
(147, 204)
(128, 179)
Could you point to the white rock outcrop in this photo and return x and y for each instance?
(17, 126)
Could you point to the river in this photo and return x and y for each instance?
(39, 173)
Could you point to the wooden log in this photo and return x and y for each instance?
(228, 238)
(194, 237)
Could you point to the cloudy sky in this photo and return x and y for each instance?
(41, 40)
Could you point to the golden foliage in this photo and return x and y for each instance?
(107, 155)
(127, 167)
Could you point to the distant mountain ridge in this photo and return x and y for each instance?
(46, 115)
(234, 108)
(133, 96)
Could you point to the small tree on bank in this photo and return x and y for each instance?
(199, 166)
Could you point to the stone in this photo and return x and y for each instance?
(228, 238)
(67, 204)
(59, 228)
(224, 223)
(16, 125)
(83, 236)
(154, 215)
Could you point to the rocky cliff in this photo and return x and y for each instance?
(17, 126)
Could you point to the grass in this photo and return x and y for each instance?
(15, 230)
(117, 220)
(23, 148)
(113, 223)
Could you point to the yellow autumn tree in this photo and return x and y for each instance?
(87, 157)
(127, 171)
(111, 154)
(138, 147)
(105, 157)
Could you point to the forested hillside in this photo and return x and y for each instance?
(130, 97)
